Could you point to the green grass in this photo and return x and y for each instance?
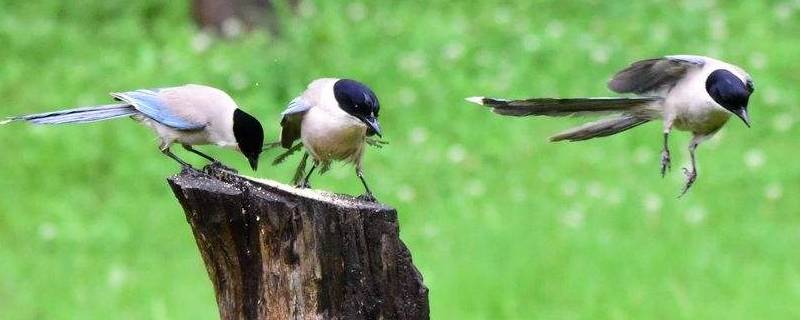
(502, 224)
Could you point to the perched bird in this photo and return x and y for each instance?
(689, 93)
(189, 115)
(333, 118)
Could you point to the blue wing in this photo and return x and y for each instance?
(151, 105)
(297, 105)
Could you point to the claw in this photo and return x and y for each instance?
(377, 143)
(666, 163)
(691, 176)
(367, 197)
(220, 166)
(189, 169)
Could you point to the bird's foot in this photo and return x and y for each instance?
(666, 163)
(691, 176)
(186, 168)
(220, 166)
(367, 197)
(303, 185)
(377, 143)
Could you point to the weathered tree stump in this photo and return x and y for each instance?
(277, 252)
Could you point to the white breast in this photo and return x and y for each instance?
(329, 133)
(690, 105)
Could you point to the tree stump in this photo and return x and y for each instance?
(276, 252)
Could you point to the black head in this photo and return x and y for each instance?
(359, 101)
(730, 92)
(249, 135)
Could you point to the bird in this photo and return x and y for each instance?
(190, 115)
(333, 119)
(690, 93)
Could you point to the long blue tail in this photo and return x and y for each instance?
(78, 115)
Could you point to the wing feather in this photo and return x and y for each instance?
(652, 75)
(149, 103)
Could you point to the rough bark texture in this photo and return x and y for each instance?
(277, 252)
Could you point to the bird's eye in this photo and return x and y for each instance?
(749, 85)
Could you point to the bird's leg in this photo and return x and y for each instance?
(197, 152)
(691, 175)
(666, 163)
(165, 150)
(367, 196)
(305, 184)
(214, 162)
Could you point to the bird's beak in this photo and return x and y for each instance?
(253, 162)
(742, 114)
(373, 124)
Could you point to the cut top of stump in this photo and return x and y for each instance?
(222, 181)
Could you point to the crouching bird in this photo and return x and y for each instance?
(689, 93)
(333, 118)
(189, 115)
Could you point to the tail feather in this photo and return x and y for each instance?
(78, 115)
(600, 128)
(558, 107)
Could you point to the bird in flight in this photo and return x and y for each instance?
(687, 92)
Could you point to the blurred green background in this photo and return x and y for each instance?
(502, 224)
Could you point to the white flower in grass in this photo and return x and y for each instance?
(554, 29)
(418, 135)
(453, 51)
(117, 276)
(574, 217)
(456, 154)
(518, 194)
(614, 196)
(232, 27)
(306, 9)
(238, 81)
(773, 191)
(48, 231)
(414, 64)
(430, 230)
(695, 215)
(660, 33)
(406, 193)
(202, 41)
(783, 11)
(595, 189)
(771, 96)
(475, 188)
(754, 159)
(652, 203)
(600, 54)
(407, 96)
(643, 155)
(502, 16)
(718, 27)
(356, 11)
(531, 42)
(569, 188)
(758, 61)
(783, 122)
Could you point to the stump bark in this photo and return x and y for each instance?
(276, 252)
